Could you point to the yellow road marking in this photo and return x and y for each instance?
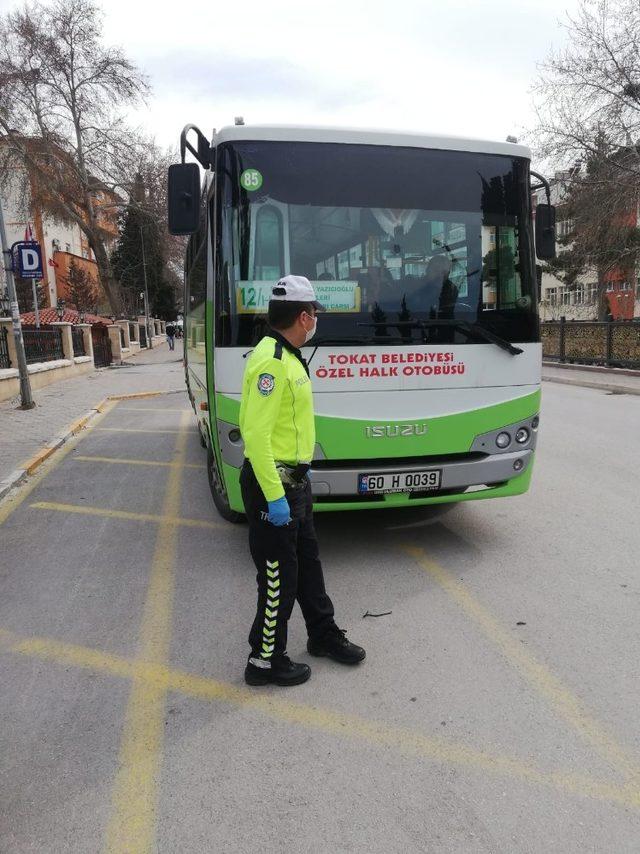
(151, 409)
(132, 826)
(128, 462)
(546, 683)
(135, 430)
(137, 395)
(161, 678)
(170, 521)
(10, 504)
(37, 459)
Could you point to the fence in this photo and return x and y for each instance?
(78, 342)
(5, 362)
(42, 345)
(143, 335)
(101, 347)
(611, 343)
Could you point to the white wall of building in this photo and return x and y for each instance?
(57, 235)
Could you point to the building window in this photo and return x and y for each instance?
(68, 247)
(564, 227)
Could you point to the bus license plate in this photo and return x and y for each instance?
(403, 481)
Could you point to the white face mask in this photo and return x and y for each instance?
(312, 331)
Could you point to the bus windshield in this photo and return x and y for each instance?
(401, 244)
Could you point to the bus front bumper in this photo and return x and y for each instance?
(488, 471)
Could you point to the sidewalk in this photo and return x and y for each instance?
(24, 433)
(606, 379)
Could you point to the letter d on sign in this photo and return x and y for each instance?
(29, 259)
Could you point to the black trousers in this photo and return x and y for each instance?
(289, 568)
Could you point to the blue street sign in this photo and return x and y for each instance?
(27, 259)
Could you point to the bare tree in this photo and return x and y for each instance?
(589, 93)
(588, 109)
(60, 92)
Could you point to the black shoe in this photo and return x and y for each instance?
(335, 645)
(280, 671)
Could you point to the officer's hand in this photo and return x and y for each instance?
(279, 513)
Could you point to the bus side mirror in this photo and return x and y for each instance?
(183, 198)
(545, 232)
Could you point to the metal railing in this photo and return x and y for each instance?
(42, 345)
(78, 342)
(5, 361)
(614, 344)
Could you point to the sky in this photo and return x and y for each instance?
(452, 67)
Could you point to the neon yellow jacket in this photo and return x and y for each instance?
(276, 411)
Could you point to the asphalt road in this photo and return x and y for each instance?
(497, 710)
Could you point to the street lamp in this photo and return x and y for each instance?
(60, 309)
(81, 317)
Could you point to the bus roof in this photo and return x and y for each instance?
(364, 136)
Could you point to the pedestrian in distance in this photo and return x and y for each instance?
(278, 429)
(171, 335)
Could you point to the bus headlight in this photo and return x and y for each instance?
(522, 435)
(503, 440)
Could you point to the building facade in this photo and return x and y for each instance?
(580, 302)
(61, 242)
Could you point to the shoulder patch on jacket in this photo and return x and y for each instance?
(266, 384)
(277, 354)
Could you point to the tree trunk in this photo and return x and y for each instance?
(602, 303)
(107, 280)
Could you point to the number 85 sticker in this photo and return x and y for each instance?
(251, 180)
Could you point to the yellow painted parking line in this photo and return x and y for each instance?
(568, 707)
(138, 395)
(151, 409)
(431, 748)
(130, 462)
(136, 430)
(11, 504)
(132, 827)
(125, 514)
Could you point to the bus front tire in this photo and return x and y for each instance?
(218, 492)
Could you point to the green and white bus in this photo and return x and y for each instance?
(426, 366)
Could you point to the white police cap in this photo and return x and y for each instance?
(295, 289)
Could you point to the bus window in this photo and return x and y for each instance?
(269, 246)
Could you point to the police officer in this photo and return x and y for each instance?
(277, 426)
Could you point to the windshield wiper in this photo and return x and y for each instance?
(471, 329)
(478, 331)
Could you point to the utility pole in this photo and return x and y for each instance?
(146, 291)
(36, 310)
(25, 385)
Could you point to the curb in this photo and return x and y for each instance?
(614, 388)
(29, 467)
